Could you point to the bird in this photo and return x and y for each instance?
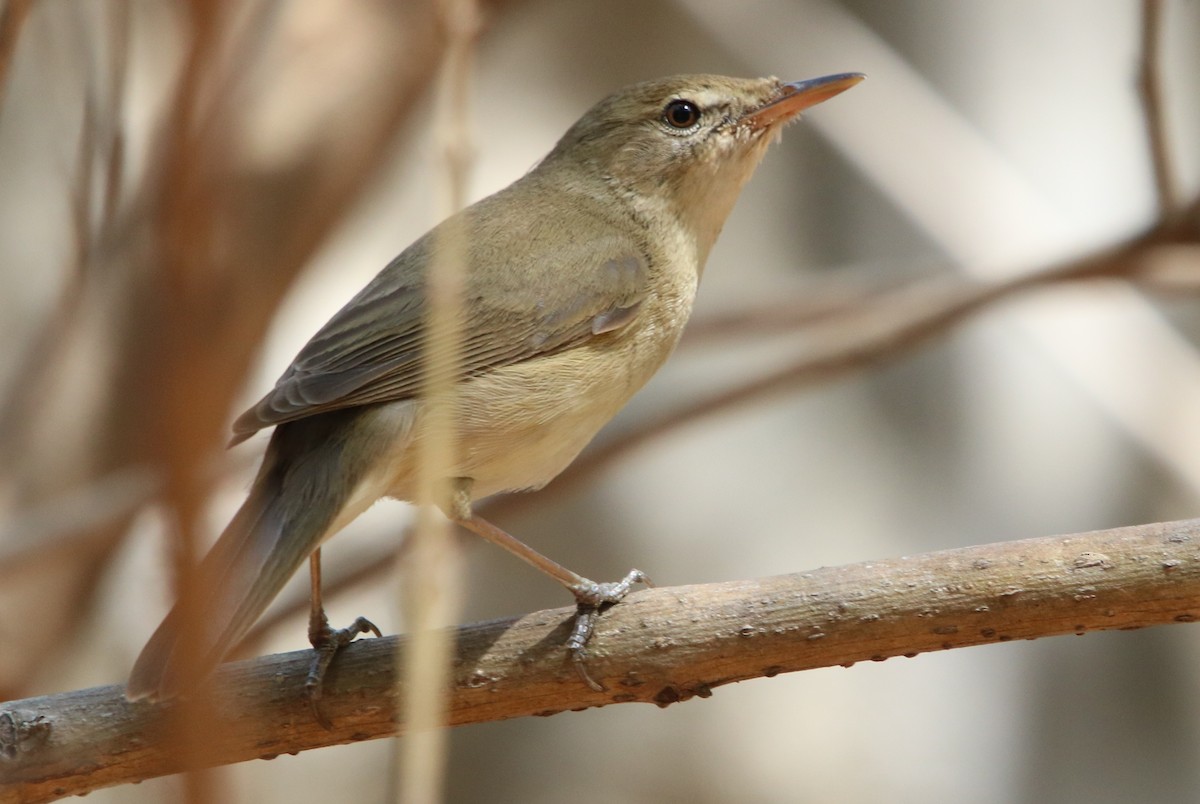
(578, 280)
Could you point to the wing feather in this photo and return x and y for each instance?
(527, 294)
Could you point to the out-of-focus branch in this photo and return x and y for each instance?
(1150, 88)
(660, 646)
(12, 17)
(138, 364)
(433, 577)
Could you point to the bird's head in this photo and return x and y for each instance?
(688, 142)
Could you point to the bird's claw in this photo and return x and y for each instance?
(326, 642)
(597, 595)
(591, 599)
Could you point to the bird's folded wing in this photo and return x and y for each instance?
(543, 296)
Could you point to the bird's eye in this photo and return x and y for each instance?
(681, 114)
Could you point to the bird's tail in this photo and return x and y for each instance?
(301, 489)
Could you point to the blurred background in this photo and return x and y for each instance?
(187, 194)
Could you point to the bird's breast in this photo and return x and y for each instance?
(523, 424)
(520, 425)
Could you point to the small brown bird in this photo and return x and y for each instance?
(579, 279)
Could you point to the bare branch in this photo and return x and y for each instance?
(433, 578)
(661, 646)
(168, 305)
(12, 17)
(1150, 88)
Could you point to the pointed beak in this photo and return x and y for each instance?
(792, 99)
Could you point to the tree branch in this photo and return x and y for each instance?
(1151, 93)
(661, 646)
(12, 17)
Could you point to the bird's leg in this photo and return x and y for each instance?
(326, 641)
(590, 597)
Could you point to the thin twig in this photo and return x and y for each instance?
(781, 312)
(12, 18)
(185, 224)
(1150, 87)
(433, 573)
(119, 28)
(117, 362)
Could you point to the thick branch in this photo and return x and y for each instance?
(660, 646)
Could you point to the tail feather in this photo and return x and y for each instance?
(300, 491)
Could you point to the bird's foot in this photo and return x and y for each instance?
(326, 642)
(591, 598)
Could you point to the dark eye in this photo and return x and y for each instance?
(681, 114)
